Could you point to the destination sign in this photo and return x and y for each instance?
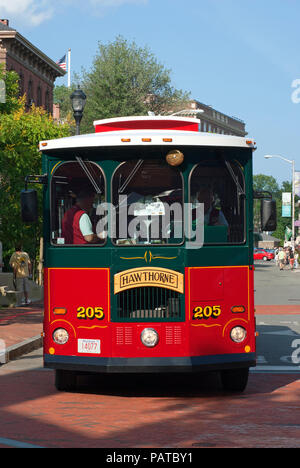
(138, 277)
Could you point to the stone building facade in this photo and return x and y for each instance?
(214, 121)
(37, 72)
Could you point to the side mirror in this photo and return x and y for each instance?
(268, 215)
(29, 206)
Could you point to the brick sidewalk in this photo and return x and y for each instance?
(21, 328)
(289, 309)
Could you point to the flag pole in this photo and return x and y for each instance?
(69, 68)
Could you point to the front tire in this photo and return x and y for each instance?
(235, 380)
(65, 381)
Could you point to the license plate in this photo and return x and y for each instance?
(89, 346)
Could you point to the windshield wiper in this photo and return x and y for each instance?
(89, 175)
(131, 175)
(240, 190)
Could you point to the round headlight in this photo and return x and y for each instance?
(60, 336)
(149, 337)
(238, 334)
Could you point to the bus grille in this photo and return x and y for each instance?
(148, 303)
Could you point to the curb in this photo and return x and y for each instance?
(13, 352)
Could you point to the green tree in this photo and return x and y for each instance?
(11, 83)
(263, 182)
(127, 80)
(283, 222)
(61, 96)
(20, 133)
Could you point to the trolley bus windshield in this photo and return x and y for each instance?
(149, 204)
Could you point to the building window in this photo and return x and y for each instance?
(47, 101)
(39, 96)
(30, 94)
(21, 84)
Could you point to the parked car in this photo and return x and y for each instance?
(262, 254)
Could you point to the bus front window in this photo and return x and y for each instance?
(76, 190)
(148, 197)
(219, 185)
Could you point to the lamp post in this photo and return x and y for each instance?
(78, 99)
(292, 162)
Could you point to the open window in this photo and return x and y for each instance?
(77, 187)
(148, 200)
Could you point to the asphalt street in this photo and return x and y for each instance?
(278, 343)
(273, 286)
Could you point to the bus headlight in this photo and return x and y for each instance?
(149, 337)
(60, 336)
(238, 334)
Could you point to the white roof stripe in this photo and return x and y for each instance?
(179, 138)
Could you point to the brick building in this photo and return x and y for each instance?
(37, 72)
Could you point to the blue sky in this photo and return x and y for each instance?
(240, 56)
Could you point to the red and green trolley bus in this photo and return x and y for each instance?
(133, 283)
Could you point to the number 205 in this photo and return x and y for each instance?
(206, 312)
(90, 313)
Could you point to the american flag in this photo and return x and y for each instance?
(62, 63)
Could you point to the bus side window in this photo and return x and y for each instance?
(212, 185)
(73, 204)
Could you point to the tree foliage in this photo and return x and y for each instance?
(20, 133)
(11, 82)
(127, 80)
(263, 182)
(61, 96)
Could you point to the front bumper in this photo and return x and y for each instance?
(150, 365)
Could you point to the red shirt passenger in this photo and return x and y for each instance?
(76, 224)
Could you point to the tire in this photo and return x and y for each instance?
(235, 380)
(65, 381)
(265, 259)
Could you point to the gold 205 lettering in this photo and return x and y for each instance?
(206, 312)
(90, 313)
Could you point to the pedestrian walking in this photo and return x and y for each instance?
(22, 269)
(296, 255)
(291, 258)
(281, 258)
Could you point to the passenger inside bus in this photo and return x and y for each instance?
(212, 215)
(77, 226)
(213, 184)
(152, 200)
(75, 195)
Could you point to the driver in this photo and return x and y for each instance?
(76, 225)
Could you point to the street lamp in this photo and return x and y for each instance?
(78, 99)
(292, 162)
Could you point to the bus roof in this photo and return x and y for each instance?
(149, 131)
(147, 138)
(147, 122)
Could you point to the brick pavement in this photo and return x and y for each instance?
(20, 329)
